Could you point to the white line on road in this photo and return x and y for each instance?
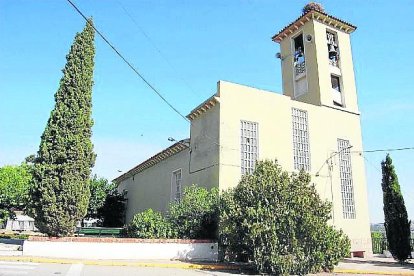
(16, 273)
(75, 270)
(17, 263)
(16, 267)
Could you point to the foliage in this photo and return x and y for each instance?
(397, 226)
(14, 190)
(279, 223)
(377, 235)
(196, 215)
(14, 236)
(112, 212)
(149, 225)
(63, 163)
(99, 189)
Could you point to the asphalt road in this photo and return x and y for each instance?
(37, 269)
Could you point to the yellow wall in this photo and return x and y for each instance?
(318, 70)
(151, 188)
(215, 156)
(273, 114)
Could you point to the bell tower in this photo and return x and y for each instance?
(316, 57)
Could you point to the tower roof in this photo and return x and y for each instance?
(317, 15)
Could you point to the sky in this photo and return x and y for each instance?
(183, 48)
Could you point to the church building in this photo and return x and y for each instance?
(314, 125)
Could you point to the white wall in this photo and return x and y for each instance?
(119, 251)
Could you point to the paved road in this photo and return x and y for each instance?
(12, 268)
(36, 269)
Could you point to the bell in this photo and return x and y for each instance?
(332, 50)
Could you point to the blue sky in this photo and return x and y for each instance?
(201, 42)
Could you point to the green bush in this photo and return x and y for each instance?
(377, 235)
(149, 225)
(14, 236)
(278, 222)
(196, 215)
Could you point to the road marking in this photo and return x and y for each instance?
(16, 273)
(75, 270)
(18, 263)
(16, 268)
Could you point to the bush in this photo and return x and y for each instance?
(14, 236)
(196, 215)
(149, 225)
(279, 223)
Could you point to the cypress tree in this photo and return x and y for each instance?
(397, 226)
(63, 164)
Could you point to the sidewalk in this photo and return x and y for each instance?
(355, 266)
(10, 249)
(136, 263)
(376, 265)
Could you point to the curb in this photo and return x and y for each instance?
(371, 272)
(180, 265)
(120, 263)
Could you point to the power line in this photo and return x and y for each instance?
(140, 75)
(151, 41)
(382, 150)
(129, 64)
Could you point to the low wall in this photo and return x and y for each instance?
(117, 248)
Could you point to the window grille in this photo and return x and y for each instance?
(347, 187)
(301, 152)
(249, 146)
(176, 186)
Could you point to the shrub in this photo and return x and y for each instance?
(196, 215)
(14, 236)
(149, 225)
(279, 223)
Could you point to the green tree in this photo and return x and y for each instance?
(63, 163)
(14, 190)
(112, 212)
(99, 189)
(278, 222)
(196, 215)
(397, 225)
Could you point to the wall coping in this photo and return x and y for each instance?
(115, 240)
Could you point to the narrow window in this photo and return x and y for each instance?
(336, 90)
(299, 55)
(335, 83)
(301, 152)
(333, 51)
(176, 186)
(347, 187)
(249, 146)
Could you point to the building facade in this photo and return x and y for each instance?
(314, 126)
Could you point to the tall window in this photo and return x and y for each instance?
(333, 51)
(299, 55)
(249, 146)
(336, 90)
(176, 185)
(347, 187)
(301, 153)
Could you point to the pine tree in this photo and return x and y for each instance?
(397, 226)
(62, 167)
